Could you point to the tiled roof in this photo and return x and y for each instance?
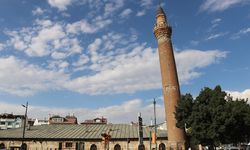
(10, 116)
(74, 132)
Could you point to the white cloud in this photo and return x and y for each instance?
(2, 46)
(41, 42)
(60, 66)
(38, 11)
(81, 61)
(194, 42)
(44, 23)
(121, 75)
(116, 72)
(58, 55)
(138, 70)
(140, 13)
(241, 95)
(112, 6)
(216, 21)
(63, 65)
(114, 113)
(82, 25)
(244, 31)
(189, 61)
(95, 45)
(240, 33)
(44, 38)
(23, 79)
(94, 4)
(116, 63)
(60, 4)
(86, 27)
(146, 3)
(126, 13)
(220, 5)
(215, 36)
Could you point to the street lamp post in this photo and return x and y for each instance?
(25, 117)
(155, 128)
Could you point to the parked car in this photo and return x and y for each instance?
(230, 148)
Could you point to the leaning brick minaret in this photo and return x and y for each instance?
(170, 83)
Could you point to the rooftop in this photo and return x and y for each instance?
(77, 132)
(10, 116)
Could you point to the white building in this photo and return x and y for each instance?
(9, 121)
(39, 122)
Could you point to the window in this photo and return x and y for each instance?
(141, 147)
(57, 119)
(24, 146)
(162, 146)
(79, 146)
(69, 144)
(2, 123)
(60, 146)
(93, 147)
(2, 146)
(117, 147)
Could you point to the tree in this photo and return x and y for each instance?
(213, 118)
(183, 111)
(238, 121)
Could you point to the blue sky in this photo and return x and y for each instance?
(99, 58)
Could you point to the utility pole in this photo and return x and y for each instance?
(25, 117)
(155, 124)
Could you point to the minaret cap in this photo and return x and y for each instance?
(160, 11)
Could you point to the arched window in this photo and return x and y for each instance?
(24, 146)
(117, 147)
(162, 146)
(93, 147)
(2, 146)
(141, 147)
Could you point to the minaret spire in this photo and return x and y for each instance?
(170, 83)
(159, 3)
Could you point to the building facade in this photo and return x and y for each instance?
(79, 137)
(101, 120)
(170, 83)
(10, 121)
(63, 120)
(39, 122)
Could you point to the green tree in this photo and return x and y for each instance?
(213, 118)
(237, 122)
(184, 110)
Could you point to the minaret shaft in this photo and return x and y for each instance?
(170, 84)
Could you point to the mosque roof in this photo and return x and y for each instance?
(78, 132)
